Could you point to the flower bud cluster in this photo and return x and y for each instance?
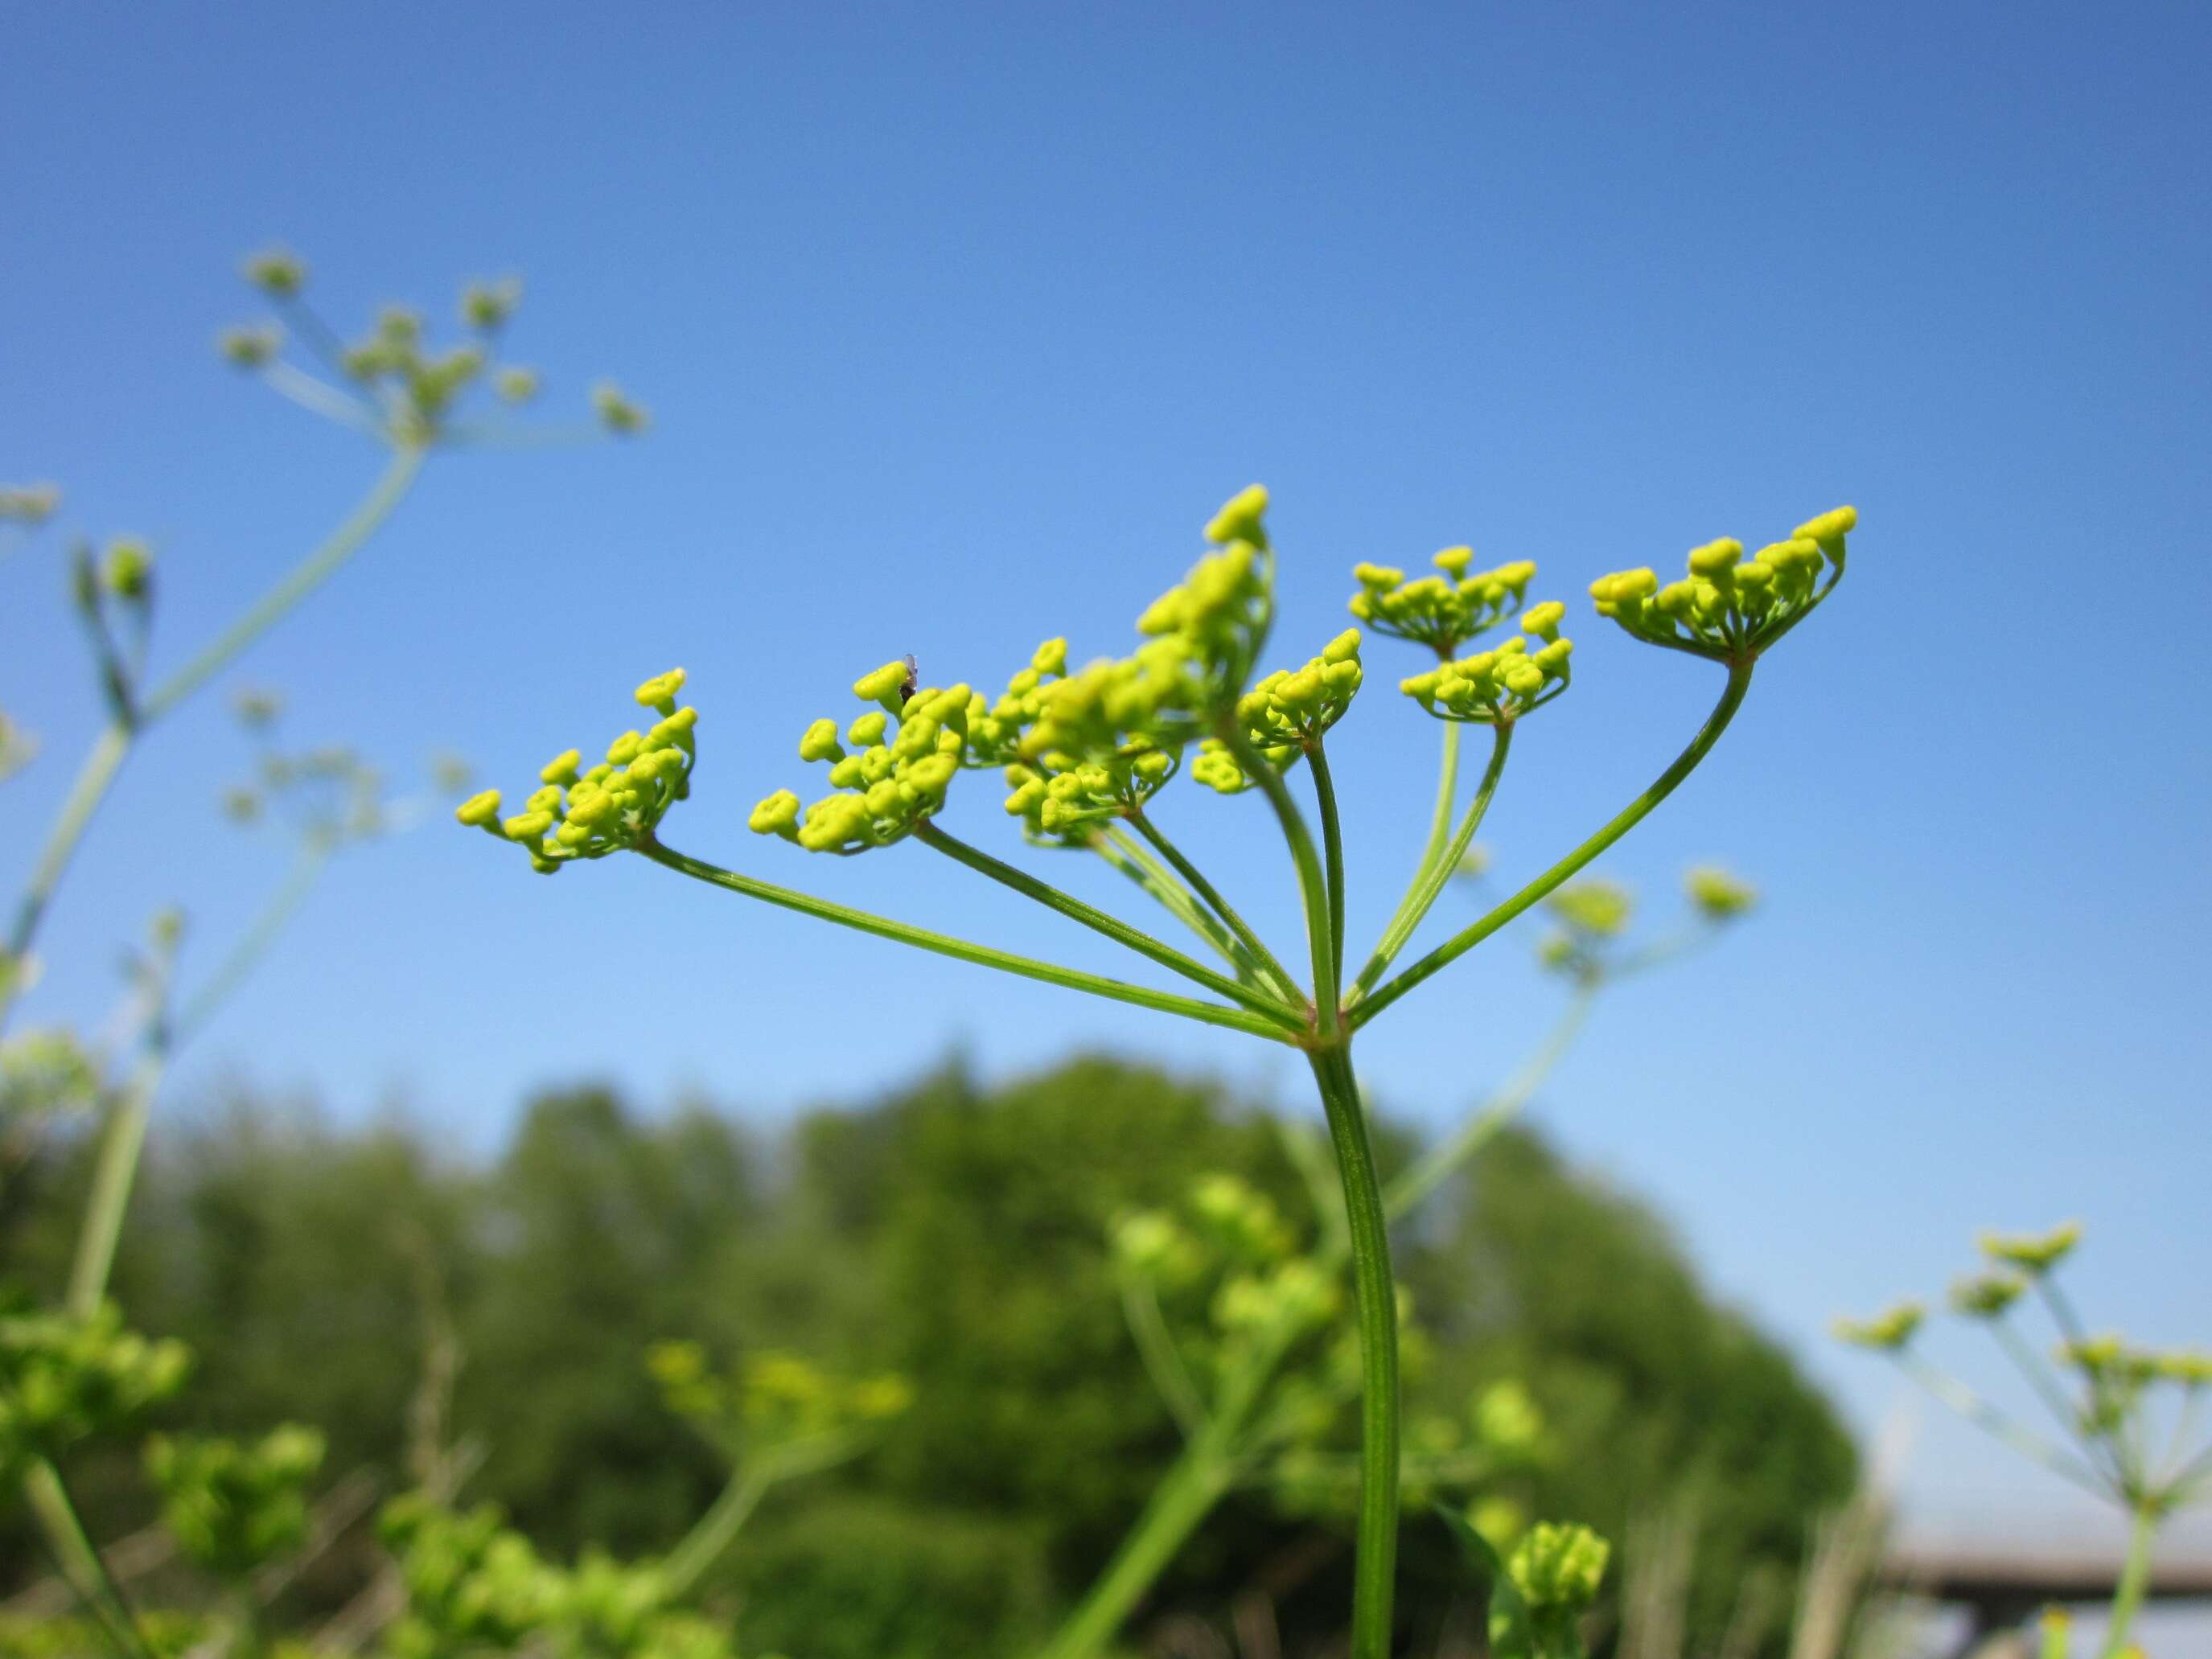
(1498, 686)
(1718, 894)
(2032, 1254)
(474, 1585)
(1202, 638)
(400, 381)
(63, 1380)
(772, 1398)
(1295, 1296)
(1886, 1332)
(582, 812)
(329, 794)
(232, 1507)
(1285, 714)
(1558, 1568)
(1591, 914)
(1729, 607)
(1985, 1296)
(1443, 612)
(29, 505)
(18, 747)
(44, 1074)
(1059, 797)
(902, 758)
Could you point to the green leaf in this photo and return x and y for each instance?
(1512, 1631)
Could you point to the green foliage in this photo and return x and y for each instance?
(887, 1579)
(1649, 1390)
(63, 1380)
(235, 1506)
(959, 1235)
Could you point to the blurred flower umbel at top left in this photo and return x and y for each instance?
(392, 379)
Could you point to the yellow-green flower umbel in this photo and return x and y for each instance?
(1729, 607)
(614, 805)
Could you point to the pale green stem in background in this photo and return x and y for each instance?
(2030, 1366)
(117, 1170)
(1309, 1153)
(1155, 1346)
(318, 568)
(1411, 1188)
(1985, 1416)
(703, 1545)
(84, 1572)
(2135, 1578)
(1198, 1480)
(1739, 682)
(107, 752)
(1429, 885)
(711, 1535)
(1132, 859)
(1285, 979)
(1109, 926)
(2185, 1428)
(321, 398)
(1237, 1019)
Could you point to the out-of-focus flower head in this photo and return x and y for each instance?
(1886, 1332)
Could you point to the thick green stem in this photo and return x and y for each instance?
(960, 949)
(1375, 1567)
(1429, 885)
(1739, 682)
(1313, 884)
(1242, 1388)
(107, 753)
(1332, 842)
(2135, 1579)
(1193, 1486)
(1109, 926)
(1285, 979)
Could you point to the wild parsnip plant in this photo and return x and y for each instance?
(2128, 1416)
(1086, 751)
(72, 1374)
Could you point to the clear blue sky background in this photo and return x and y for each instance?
(957, 323)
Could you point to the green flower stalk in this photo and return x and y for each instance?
(1086, 753)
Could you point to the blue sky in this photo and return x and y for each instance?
(956, 322)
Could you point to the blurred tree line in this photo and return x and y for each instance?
(952, 1232)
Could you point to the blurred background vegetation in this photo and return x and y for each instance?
(408, 1300)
